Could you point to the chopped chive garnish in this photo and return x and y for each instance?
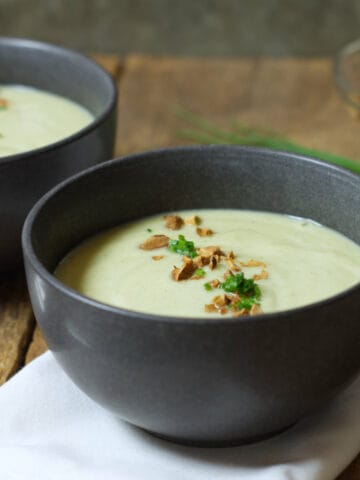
(248, 290)
(149, 230)
(241, 285)
(183, 246)
(247, 303)
(207, 287)
(199, 272)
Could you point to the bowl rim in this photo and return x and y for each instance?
(27, 43)
(49, 277)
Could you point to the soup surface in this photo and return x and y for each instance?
(32, 118)
(275, 262)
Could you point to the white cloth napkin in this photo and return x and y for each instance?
(50, 430)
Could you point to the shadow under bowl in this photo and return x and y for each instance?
(201, 381)
(25, 177)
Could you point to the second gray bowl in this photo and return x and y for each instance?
(26, 176)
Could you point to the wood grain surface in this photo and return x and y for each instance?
(16, 324)
(297, 97)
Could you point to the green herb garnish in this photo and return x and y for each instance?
(149, 230)
(241, 285)
(248, 290)
(183, 246)
(208, 133)
(247, 303)
(199, 272)
(207, 287)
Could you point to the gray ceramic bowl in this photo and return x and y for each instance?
(25, 177)
(197, 381)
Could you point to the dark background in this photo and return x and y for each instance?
(188, 27)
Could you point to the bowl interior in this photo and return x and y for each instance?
(57, 70)
(184, 178)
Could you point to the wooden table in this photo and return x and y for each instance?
(295, 96)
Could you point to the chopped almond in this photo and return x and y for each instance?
(208, 251)
(240, 313)
(253, 263)
(214, 283)
(199, 261)
(4, 103)
(263, 275)
(204, 232)
(213, 261)
(231, 255)
(232, 297)
(220, 301)
(174, 222)
(197, 277)
(155, 241)
(255, 310)
(210, 308)
(232, 265)
(227, 274)
(193, 220)
(157, 257)
(185, 271)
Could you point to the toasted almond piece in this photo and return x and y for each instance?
(204, 232)
(240, 313)
(208, 251)
(157, 257)
(4, 103)
(210, 308)
(255, 310)
(262, 276)
(227, 274)
(231, 255)
(174, 222)
(223, 310)
(185, 271)
(232, 297)
(214, 283)
(198, 261)
(193, 220)
(220, 301)
(213, 261)
(253, 263)
(232, 265)
(155, 241)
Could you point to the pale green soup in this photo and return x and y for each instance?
(305, 261)
(32, 118)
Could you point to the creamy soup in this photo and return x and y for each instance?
(289, 261)
(32, 118)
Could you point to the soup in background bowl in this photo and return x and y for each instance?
(217, 380)
(26, 175)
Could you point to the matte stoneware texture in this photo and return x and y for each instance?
(25, 177)
(213, 381)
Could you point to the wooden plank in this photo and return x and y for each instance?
(16, 324)
(37, 345)
(294, 96)
(111, 63)
(352, 472)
